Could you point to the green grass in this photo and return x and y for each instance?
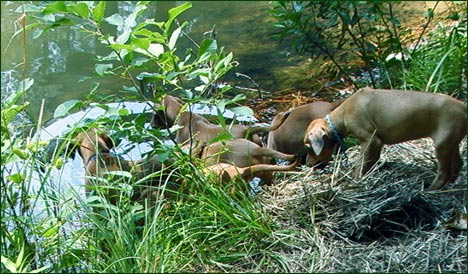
(204, 229)
(439, 65)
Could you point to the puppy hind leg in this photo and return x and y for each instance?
(447, 163)
(457, 164)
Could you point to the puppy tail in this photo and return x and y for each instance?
(250, 171)
(270, 153)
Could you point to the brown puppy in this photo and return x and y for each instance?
(94, 148)
(228, 172)
(378, 117)
(194, 125)
(242, 153)
(289, 136)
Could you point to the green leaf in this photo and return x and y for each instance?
(119, 48)
(115, 19)
(205, 56)
(16, 178)
(173, 74)
(123, 112)
(59, 23)
(8, 114)
(65, 108)
(224, 135)
(137, 62)
(123, 38)
(243, 111)
(9, 264)
(80, 10)
(155, 49)
(237, 98)
(26, 84)
(130, 89)
(102, 68)
(221, 106)
(20, 259)
(51, 231)
(174, 12)
(142, 43)
(151, 76)
(224, 62)
(56, 7)
(175, 35)
(119, 173)
(162, 157)
(207, 46)
(98, 12)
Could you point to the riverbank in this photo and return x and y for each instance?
(382, 223)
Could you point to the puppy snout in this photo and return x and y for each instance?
(308, 140)
(307, 143)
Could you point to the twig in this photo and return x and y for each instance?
(253, 82)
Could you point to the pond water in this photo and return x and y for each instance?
(58, 60)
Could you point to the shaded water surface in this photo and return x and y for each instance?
(59, 60)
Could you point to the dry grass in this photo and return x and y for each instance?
(383, 222)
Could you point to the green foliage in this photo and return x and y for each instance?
(440, 64)
(206, 228)
(366, 38)
(345, 32)
(17, 244)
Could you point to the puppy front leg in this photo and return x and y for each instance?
(370, 153)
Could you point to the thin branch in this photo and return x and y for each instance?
(426, 26)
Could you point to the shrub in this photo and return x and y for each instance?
(367, 44)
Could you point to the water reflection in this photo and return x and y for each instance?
(61, 58)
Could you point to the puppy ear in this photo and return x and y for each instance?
(316, 140)
(178, 100)
(317, 145)
(159, 120)
(107, 140)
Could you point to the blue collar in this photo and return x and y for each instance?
(336, 135)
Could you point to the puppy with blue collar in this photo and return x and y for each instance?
(376, 117)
